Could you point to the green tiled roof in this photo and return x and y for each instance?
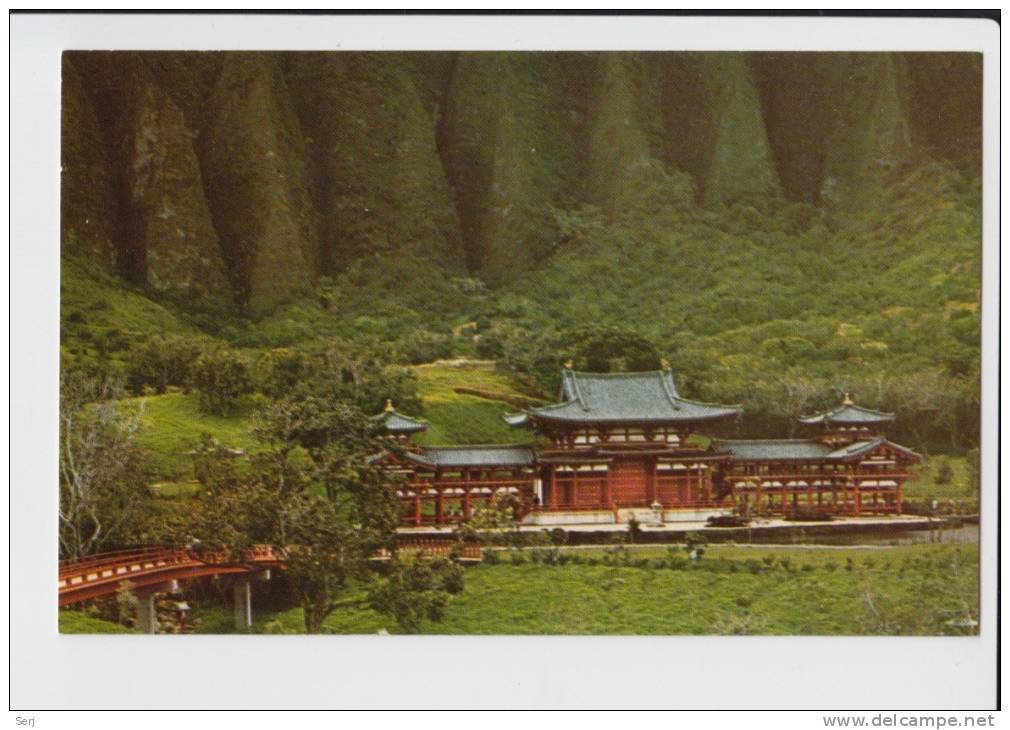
(772, 449)
(648, 397)
(860, 447)
(848, 413)
(398, 423)
(484, 456)
(801, 449)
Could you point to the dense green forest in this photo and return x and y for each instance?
(782, 227)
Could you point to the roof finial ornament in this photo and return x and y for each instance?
(569, 364)
(389, 405)
(847, 401)
(664, 363)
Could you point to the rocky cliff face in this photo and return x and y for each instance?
(244, 177)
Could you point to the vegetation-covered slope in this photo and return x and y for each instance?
(782, 227)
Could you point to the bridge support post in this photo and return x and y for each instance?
(147, 615)
(242, 591)
(147, 618)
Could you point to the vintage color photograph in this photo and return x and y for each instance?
(664, 343)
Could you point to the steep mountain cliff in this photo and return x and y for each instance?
(156, 205)
(243, 178)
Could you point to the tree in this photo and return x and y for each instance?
(278, 371)
(416, 588)
(102, 476)
(317, 497)
(220, 377)
(611, 349)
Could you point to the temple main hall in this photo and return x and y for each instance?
(622, 446)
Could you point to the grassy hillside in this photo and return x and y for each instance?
(782, 227)
(458, 418)
(929, 482)
(173, 422)
(100, 317)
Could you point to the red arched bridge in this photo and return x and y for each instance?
(100, 575)
(151, 570)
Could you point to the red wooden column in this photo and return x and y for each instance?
(897, 498)
(466, 502)
(651, 485)
(438, 507)
(417, 507)
(608, 497)
(554, 489)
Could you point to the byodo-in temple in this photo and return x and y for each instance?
(619, 446)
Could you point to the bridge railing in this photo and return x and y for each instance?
(140, 560)
(117, 557)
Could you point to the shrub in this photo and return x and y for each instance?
(944, 473)
(162, 361)
(491, 557)
(558, 536)
(220, 377)
(634, 529)
(424, 346)
(694, 539)
(618, 555)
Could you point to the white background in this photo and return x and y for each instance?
(49, 671)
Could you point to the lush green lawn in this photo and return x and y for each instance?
(76, 622)
(458, 418)
(925, 485)
(731, 590)
(172, 426)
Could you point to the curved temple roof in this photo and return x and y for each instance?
(800, 449)
(644, 397)
(478, 456)
(849, 413)
(398, 423)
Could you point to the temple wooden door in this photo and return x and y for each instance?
(629, 482)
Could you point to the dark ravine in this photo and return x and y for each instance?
(244, 177)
